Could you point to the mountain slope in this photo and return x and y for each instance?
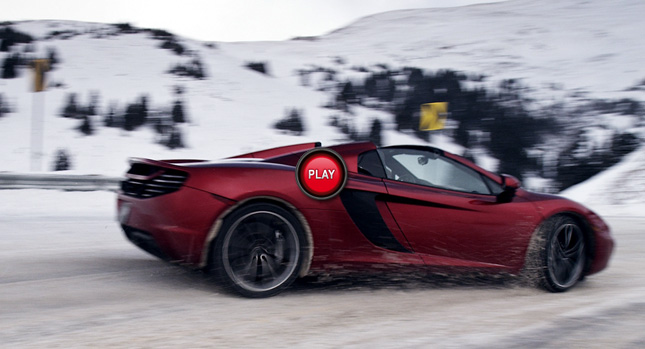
(574, 45)
(616, 191)
(562, 51)
(232, 111)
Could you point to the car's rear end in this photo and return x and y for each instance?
(168, 208)
(162, 214)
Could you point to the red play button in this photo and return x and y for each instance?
(321, 173)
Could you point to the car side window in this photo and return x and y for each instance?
(428, 168)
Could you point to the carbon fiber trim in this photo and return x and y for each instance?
(361, 207)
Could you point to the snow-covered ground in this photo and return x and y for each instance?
(68, 278)
(616, 191)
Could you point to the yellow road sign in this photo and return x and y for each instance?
(433, 116)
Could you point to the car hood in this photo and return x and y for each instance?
(548, 204)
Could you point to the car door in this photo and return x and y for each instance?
(365, 232)
(450, 213)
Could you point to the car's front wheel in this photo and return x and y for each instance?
(259, 250)
(557, 256)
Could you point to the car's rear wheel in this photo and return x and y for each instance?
(259, 250)
(557, 257)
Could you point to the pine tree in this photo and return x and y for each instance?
(2, 106)
(375, 132)
(9, 67)
(62, 162)
(416, 77)
(160, 128)
(404, 117)
(462, 136)
(175, 140)
(194, 68)
(142, 116)
(347, 94)
(291, 123)
(94, 101)
(52, 55)
(304, 78)
(10, 37)
(110, 119)
(71, 109)
(260, 67)
(178, 112)
(197, 69)
(130, 117)
(86, 126)
(4, 45)
(623, 144)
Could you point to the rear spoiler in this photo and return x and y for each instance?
(161, 163)
(273, 152)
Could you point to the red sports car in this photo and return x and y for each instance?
(251, 221)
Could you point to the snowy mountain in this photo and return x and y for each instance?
(229, 112)
(568, 56)
(616, 191)
(558, 47)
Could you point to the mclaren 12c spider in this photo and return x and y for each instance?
(249, 221)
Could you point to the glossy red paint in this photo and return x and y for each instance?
(178, 222)
(599, 231)
(426, 226)
(473, 229)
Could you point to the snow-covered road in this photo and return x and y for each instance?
(68, 278)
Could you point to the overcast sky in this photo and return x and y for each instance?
(220, 20)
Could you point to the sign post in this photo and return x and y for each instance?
(40, 67)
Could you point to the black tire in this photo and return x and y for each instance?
(259, 250)
(557, 254)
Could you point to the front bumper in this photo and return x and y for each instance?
(604, 244)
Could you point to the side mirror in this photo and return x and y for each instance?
(510, 182)
(509, 185)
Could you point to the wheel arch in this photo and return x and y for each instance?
(587, 231)
(217, 225)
